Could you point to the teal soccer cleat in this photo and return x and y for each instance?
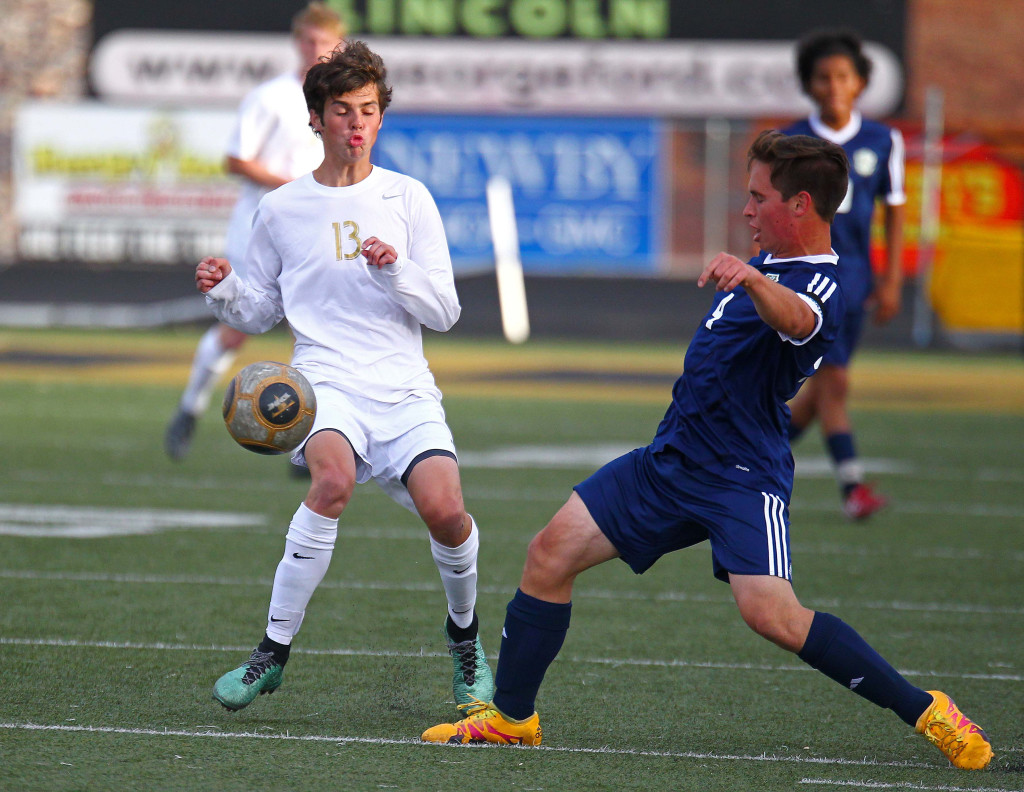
(472, 680)
(261, 673)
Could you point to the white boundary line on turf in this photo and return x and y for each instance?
(580, 593)
(815, 760)
(896, 785)
(605, 661)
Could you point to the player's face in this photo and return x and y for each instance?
(769, 215)
(350, 124)
(312, 42)
(834, 87)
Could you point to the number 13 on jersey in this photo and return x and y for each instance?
(343, 232)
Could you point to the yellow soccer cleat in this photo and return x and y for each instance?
(960, 739)
(484, 724)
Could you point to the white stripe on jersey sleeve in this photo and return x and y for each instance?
(822, 287)
(897, 170)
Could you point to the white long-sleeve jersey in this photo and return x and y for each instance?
(355, 326)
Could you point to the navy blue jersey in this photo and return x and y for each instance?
(728, 413)
(876, 157)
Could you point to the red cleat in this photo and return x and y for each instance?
(862, 502)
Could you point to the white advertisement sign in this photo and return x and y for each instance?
(738, 79)
(101, 183)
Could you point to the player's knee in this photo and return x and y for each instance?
(446, 519)
(330, 491)
(544, 560)
(775, 626)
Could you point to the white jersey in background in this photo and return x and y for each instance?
(355, 326)
(272, 128)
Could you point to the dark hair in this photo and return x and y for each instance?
(801, 163)
(826, 43)
(350, 67)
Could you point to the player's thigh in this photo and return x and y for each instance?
(436, 488)
(332, 464)
(569, 544)
(230, 338)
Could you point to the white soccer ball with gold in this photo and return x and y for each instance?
(269, 408)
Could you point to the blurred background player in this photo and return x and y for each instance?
(271, 144)
(834, 71)
(356, 259)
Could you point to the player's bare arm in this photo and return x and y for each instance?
(379, 254)
(886, 297)
(211, 271)
(779, 307)
(255, 171)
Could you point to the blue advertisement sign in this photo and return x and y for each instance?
(587, 191)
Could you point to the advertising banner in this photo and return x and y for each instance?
(147, 185)
(736, 79)
(129, 185)
(587, 192)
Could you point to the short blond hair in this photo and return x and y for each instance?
(318, 15)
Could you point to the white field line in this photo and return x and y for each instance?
(412, 742)
(580, 593)
(897, 785)
(614, 662)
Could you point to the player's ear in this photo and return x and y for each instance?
(802, 203)
(316, 123)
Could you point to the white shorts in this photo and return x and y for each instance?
(387, 437)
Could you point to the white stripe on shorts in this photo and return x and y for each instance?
(775, 529)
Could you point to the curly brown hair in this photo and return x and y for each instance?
(350, 67)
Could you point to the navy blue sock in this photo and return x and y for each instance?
(834, 648)
(841, 449)
(533, 633)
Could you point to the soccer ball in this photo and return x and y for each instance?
(269, 408)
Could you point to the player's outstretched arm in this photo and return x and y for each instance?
(211, 271)
(779, 306)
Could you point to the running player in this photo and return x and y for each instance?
(720, 469)
(355, 258)
(270, 145)
(834, 71)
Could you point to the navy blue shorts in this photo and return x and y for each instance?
(649, 504)
(847, 339)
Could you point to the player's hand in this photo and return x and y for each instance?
(885, 301)
(211, 271)
(726, 271)
(379, 254)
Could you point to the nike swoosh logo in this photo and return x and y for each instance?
(275, 619)
(389, 197)
(307, 558)
(459, 571)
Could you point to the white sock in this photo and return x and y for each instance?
(209, 362)
(850, 472)
(307, 554)
(457, 566)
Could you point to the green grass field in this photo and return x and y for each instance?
(130, 583)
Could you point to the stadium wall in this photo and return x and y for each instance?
(44, 47)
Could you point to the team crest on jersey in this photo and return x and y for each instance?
(773, 276)
(865, 161)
